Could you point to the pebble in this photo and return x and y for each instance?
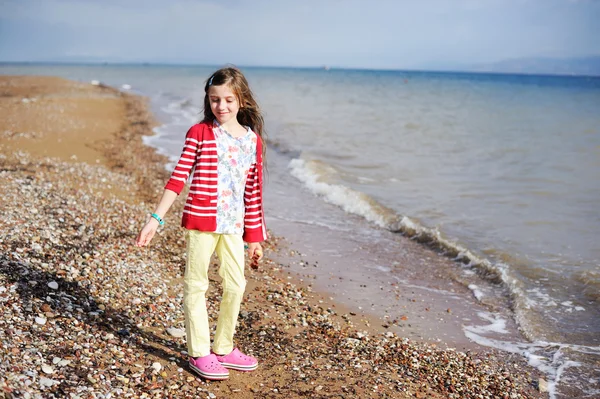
(53, 285)
(156, 366)
(122, 379)
(47, 369)
(176, 332)
(542, 385)
(47, 382)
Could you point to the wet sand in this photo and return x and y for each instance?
(86, 314)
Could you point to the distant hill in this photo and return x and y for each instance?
(589, 66)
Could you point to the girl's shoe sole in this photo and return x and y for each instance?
(238, 367)
(208, 376)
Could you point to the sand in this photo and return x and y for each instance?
(88, 315)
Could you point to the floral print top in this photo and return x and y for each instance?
(235, 155)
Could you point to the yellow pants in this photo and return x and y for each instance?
(230, 250)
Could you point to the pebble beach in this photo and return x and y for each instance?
(86, 314)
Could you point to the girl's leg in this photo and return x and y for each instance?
(200, 247)
(230, 250)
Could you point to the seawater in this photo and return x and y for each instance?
(501, 172)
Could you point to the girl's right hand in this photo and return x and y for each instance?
(147, 233)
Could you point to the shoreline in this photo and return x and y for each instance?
(128, 298)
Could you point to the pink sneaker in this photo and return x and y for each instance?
(209, 367)
(236, 360)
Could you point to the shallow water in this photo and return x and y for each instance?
(500, 171)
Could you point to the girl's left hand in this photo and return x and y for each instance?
(255, 253)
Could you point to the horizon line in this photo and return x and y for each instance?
(323, 67)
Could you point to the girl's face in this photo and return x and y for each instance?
(224, 103)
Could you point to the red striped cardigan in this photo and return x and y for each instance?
(200, 212)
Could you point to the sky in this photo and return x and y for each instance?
(388, 34)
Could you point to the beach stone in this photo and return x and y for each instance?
(542, 385)
(40, 320)
(157, 366)
(47, 382)
(124, 332)
(122, 379)
(176, 332)
(53, 285)
(47, 369)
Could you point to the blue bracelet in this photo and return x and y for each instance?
(160, 221)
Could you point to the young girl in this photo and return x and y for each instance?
(223, 210)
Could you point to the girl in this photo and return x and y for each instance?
(222, 211)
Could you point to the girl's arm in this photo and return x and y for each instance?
(149, 229)
(180, 175)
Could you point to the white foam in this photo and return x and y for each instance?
(182, 112)
(477, 293)
(405, 284)
(364, 179)
(497, 324)
(537, 297)
(168, 138)
(547, 357)
(349, 200)
(160, 132)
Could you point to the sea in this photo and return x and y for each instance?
(498, 172)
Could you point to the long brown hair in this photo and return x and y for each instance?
(249, 113)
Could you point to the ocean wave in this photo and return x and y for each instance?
(316, 175)
(177, 111)
(351, 201)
